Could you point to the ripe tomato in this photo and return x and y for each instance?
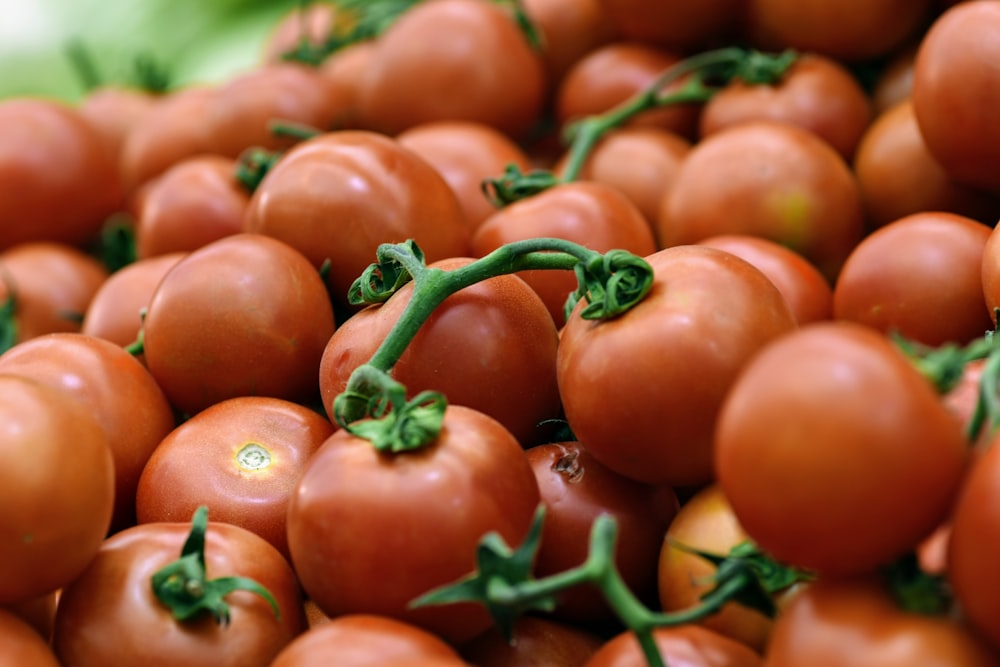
(919, 276)
(817, 93)
(194, 202)
(808, 293)
(770, 179)
(485, 70)
(856, 623)
(364, 640)
(115, 387)
(679, 646)
(114, 111)
(954, 90)
(569, 29)
(894, 82)
(835, 410)
(369, 532)
(339, 195)
(59, 511)
(22, 645)
(491, 347)
(244, 315)
(991, 273)
(311, 23)
(680, 25)
(241, 457)
(58, 179)
(343, 71)
(538, 641)
(642, 391)
(110, 614)
(590, 213)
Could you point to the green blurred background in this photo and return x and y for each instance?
(195, 40)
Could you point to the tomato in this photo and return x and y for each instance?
(537, 642)
(485, 70)
(115, 387)
(364, 640)
(38, 612)
(817, 93)
(590, 213)
(853, 31)
(806, 290)
(110, 614)
(569, 29)
(613, 73)
(466, 153)
(63, 509)
(22, 645)
(244, 315)
(115, 310)
(954, 91)
(848, 416)
(340, 195)
(855, 622)
(894, 82)
(311, 23)
(114, 111)
(681, 25)
(642, 391)
(576, 489)
(343, 71)
(241, 457)
(680, 646)
(919, 276)
(370, 532)
(490, 346)
(639, 160)
(769, 179)
(990, 273)
(194, 202)
(51, 285)
(51, 156)
(898, 176)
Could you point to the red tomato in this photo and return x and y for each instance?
(491, 347)
(312, 23)
(680, 646)
(344, 71)
(244, 315)
(569, 29)
(538, 642)
(399, 525)
(835, 410)
(241, 457)
(856, 623)
(484, 70)
(114, 111)
(919, 276)
(58, 179)
(38, 612)
(59, 513)
(340, 195)
(22, 645)
(990, 273)
(682, 25)
(110, 615)
(642, 391)
(364, 640)
(894, 82)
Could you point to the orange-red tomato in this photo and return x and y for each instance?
(22, 645)
(343, 71)
(680, 25)
(569, 29)
(538, 641)
(114, 111)
(680, 646)
(311, 23)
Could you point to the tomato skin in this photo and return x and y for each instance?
(412, 74)
(339, 195)
(110, 614)
(491, 346)
(344, 71)
(679, 646)
(22, 645)
(241, 457)
(363, 640)
(879, 440)
(311, 23)
(398, 525)
(642, 391)
(244, 315)
(570, 29)
(683, 26)
(64, 511)
(538, 642)
(855, 622)
(990, 273)
(114, 111)
(920, 276)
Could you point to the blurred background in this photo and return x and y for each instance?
(193, 40)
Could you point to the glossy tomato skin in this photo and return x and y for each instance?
(339, 195)
(679, 646)
(115, 387)
(576, 489)
(111, 615)
(847, 416)
(244, 315)
(538, 642)
(399, 525)
(63, 511)
(855, 622)
(22, 645)
(364, 640)
(241, 457)
(642, 391)
(491, 346)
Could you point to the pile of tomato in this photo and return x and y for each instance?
(247, 420)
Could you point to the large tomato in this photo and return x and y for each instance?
(642, 391)
(22, 645)
(834, 410)
(369, 531)
(679, 646)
